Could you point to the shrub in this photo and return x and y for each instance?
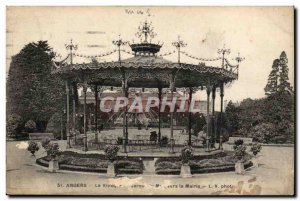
(186, 154)
(240, 152)
(221, 162)
(69, 160)
(168, 172)
(237, 143)
(255, 148)
(13, 125)
(164, 140)
(53, 150)
(125, 165)
(139, 125)
(225, 135)
(167, 159)
(111, 152)
(91, 155)
(119, 140)
(168, 165)
(263, 133)
(30, 126)
(54, 125)
(45, 143)
(33, 147)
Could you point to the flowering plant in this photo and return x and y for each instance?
(255, 148)
(240, 152)
(186, 154)
(30, 125)
(238, 143)
(111, 152)
(33, 147)
(45, 142)
(53, 150)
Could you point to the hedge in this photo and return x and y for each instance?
(222, 162)
(93, 163)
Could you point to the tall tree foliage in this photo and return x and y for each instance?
(272, 85)
(278, 77)
(270, 119)
(284, 85)
(232, 114)
(32, 91)
(274, 114)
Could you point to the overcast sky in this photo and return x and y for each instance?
(260, 34)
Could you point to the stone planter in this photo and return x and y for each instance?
(239, 168)
(254, 161)
(32, 159)
(185, 171)
(53, 165)
(111, 171)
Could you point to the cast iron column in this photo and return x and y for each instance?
(213, 113)
(221, 114)
(68, 114)
(171, 117)
(85, 148)
(124, 88)
(159, 120)
(208, 90)
(74, 110)
(96, 113)
(126, 115)
(190, 116)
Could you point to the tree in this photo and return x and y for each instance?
(279, 110)
(32, 91)
(278, 107)
(249, 115)
(232, 114)
(13, 125)
(263, 132)
(272, 85)
(283, 78)
(278, 77)
(269, 119)
(222, 125)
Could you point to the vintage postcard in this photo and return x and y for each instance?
(194, 101)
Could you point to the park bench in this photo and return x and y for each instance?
(247, 140)
(41, 136)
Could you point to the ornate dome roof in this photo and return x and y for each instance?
(145, 31)
(145, 48)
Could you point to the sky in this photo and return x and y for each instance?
(260, 34)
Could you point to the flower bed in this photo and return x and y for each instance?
(221, 162)
(93, 163)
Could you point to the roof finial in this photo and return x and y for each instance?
(71, 47)
(145, 30)
(239, 59)
(178, 44)
(119, 43)
(223, 51)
